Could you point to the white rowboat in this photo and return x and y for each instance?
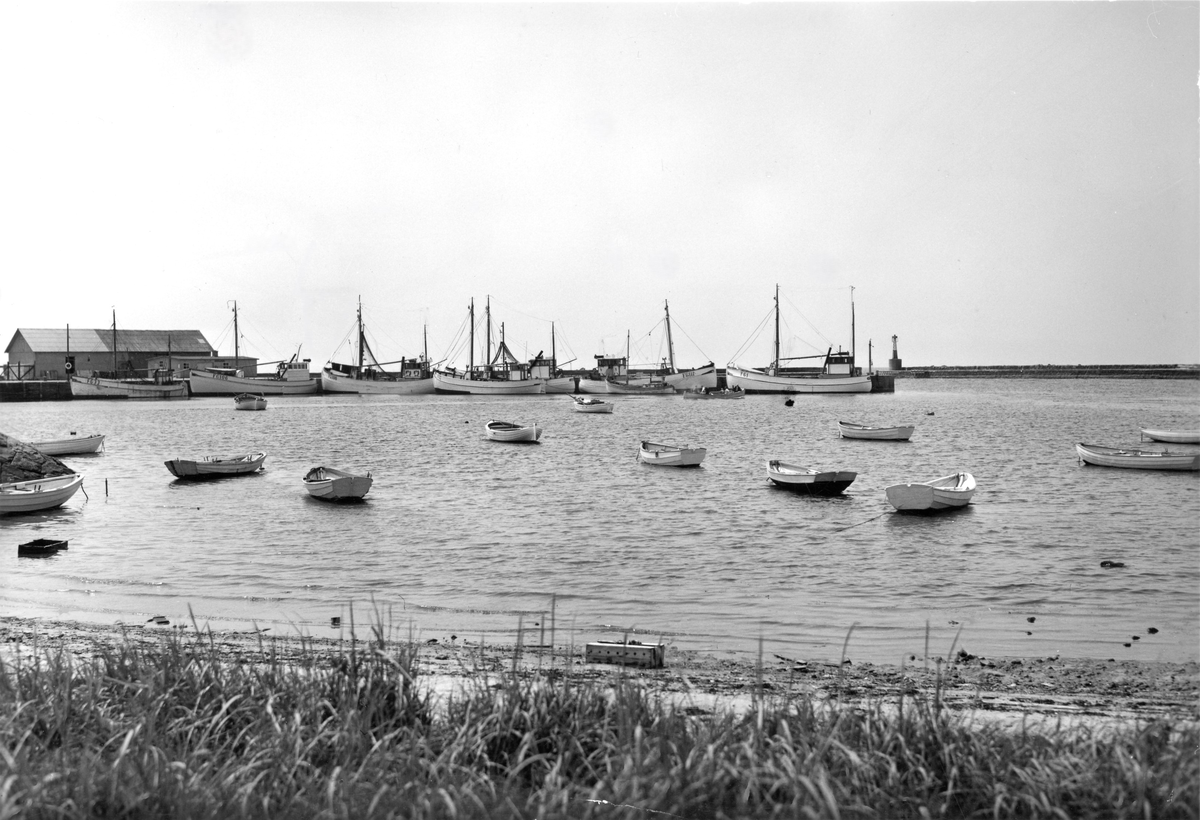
(590, 405)
(1173, 436)
(75, 445)
(1137, 459)
(336, 485)
(248, 401)
(216, 466)
(848, 429)
(670, 455)
(38, 494)
(939, 494)
(507, 431)
(808, 481)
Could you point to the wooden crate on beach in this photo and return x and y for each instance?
(627, 653)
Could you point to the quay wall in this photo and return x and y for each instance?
(34, 390)
(1053, 371)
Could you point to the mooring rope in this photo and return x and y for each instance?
(872, 518)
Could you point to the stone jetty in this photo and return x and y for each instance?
(22, 462)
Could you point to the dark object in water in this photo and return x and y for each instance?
(41, 546)
(1111, 564)
(789, 403)
(1152, 630)
(1031, 619)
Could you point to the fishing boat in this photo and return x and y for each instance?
(368, 376)
(1135, 459)
(938, 494)
(41, 547)
(618, 375)
(670, 455)
(508, 431)
(291, 377)
(848, 429)
(586, 404)
(332, 484)
(837, 373)
(38, 493)
(161, 385)
(808, 481)
(502, 375)
(1172, 436)
(249, 401)
(709, 393)
(216, 466)
(72, 446)
(548, 369)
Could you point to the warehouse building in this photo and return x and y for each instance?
(57, 353)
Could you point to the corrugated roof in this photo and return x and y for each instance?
(94, 340)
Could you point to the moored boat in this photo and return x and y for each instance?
(937, 494)
(38, 493)
(503, 374)
(40, 547)
(586, 404)
(122, 384)
(74, 445)
(1172, 436)
(711, 393)
(248, 401)
(809, 481)
(331, 484)
(670, 455)
(216, 466)
(508, 431)
(848, 429)
(1135, 459)
(368, 376)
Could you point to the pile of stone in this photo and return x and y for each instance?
(22, 462)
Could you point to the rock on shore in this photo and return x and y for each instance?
(22, 462)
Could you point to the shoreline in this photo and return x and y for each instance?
(1007, 688)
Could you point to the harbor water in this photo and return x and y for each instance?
(465, 537)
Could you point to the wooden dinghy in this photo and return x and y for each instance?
(216, 466)
(331, 484)
(507, 431)
(1102, 456)
(808, 481)
(38, 494)
(1172, 436)
(249, 401)
(585, 404)
(73, 446)
(670, 455)
(942, 493)
(848, 429)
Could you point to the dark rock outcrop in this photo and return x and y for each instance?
(22, 462)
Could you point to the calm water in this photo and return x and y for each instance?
(465, 536)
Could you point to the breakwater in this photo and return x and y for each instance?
(1053, 371)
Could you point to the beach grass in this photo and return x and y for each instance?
(177, 729)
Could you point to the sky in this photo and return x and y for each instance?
(999, 183)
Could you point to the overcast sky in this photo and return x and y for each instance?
(1001, 183)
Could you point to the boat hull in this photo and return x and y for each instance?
(216, 467)
(698, 378)
(562, 384)
(1173, 436)
(939, 494)
(593, 406)
(666, 455)
(38, 494)
(69, 446)
(246, 402)
(504, 431)
(859, 431)
(96, 388)
(635, 389)
(329, 484)
(333, 382)
(1137, 459)
(808, 481)
(756, 381)
(453, 383)
(204, 383)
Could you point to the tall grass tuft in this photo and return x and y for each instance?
(173, 730)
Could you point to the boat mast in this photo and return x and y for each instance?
(553, 354)
(360, 335)
(670, 344)
(114, 343)
(237, 359)
(471, 346)
(852, 323)
(425, 336)
(775, 365)
(487, 313)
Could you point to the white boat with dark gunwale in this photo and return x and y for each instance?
(331, 484)
(249, 401)
(38, 493)
(1172, 436)
(73, 446)
(670, 455)
(809, 481)
(121, 383)
(216, 466)
(715, 393)
(586, 404)
(508, 431)
(938, 494)
(367, 375)
(503, 374)
(1134, 459)
(848, 429)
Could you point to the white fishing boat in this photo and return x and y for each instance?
(368, 376)
(38, 494)
(502, 375)
(670, 455)
(837, 373)
(249, 401)
(162, 384)
(332, 484)
(1172, 436)
(586, 404)
(1135, 459)
(809, 481)
(71, 446)
(939, 494)
(613, 373)
(291, 377)
(848, 429)
(216, 466)
(508, 431)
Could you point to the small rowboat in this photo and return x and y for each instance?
(1137, 459)
(507, 431)
(669, 455)
(807, 481)
(584, 404)
(75, 445)
(38, 494)
(336, 485)
(1172, 436)
(249, 401)
(216, 466)
(848, 429)
(41, 546)
(939, 494)
(714, 393)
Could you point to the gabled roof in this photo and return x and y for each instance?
(93, 340)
